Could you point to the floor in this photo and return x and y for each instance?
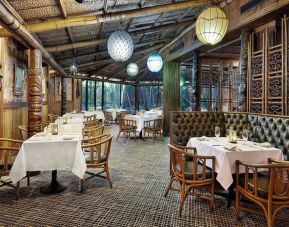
(139, 172)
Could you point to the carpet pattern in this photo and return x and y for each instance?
(140, 172)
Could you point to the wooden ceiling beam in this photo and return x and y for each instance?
(88, 64)
(62, 8)
(105, 51)
(96, 19)
(69, 46)
(10, 22)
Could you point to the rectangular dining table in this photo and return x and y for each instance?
(245, 151)
(50, 153)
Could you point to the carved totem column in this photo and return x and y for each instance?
(34, 91)
(242, 78)
(196, 99)
(63, 95)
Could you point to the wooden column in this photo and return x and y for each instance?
(136, 98)
(63, 95)
(196, 82)
(34, 91)
(242, 78)
(171, 93)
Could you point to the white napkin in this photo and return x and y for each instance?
(203, 138)
(230, 147)
(265, 145)
(68, 137)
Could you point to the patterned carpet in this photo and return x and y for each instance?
(139, 172)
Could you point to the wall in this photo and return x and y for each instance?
(13, 108)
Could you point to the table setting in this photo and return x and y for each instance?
(231, 148)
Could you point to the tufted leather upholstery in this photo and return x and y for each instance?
(262, 128)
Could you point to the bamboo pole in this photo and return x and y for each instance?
(11, 23)
(81, 44)
(96, 19)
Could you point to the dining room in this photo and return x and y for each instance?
(144, 113)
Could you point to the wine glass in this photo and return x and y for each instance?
(217, 132)
(245, 135)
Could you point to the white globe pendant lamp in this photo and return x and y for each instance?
(73, 68)
(132, 69)
(155, 62)
(120, 46)
(211, 25)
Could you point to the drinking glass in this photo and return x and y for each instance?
(245, 135)
(217, 132)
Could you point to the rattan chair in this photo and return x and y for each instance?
(98, 156)
(8, 151)
(126, 127)
(270, 191)
(88, 124)
(154, 127)
(90, 118)
(108, 119)
(24, 131)
(189, 170)
(93, 131)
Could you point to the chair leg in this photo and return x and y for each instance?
(269, 217)
(108, 174)
(238, 203)
(182, 199)
(118, 134)
(169, 186)
(212, 201)
(135, 135)
(17, 190)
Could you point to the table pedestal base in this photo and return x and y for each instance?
(55, 186)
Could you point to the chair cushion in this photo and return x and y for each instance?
(87, 157)
(189, 170)
(263, 184)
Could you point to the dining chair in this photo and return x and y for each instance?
(91, 123)
(190, 171)
(8, 151)
(108, 119)
(90, 118)
(44, 124)
(93, 131)
(98, 156)
(269, 191)
(24, 131)
(126, 127)
(154, 127)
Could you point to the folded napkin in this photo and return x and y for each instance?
(265, 145)
(230, 147)
(68, 137)
(203, 138)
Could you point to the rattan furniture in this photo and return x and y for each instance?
(24, 131)
(126, 127)
(269, 190)
(8, 151)
(52, 117)
(190, 172)
(98, 156)
(93, 131)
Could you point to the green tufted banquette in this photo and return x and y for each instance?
(262, 128)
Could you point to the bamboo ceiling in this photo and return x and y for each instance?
(150, 32)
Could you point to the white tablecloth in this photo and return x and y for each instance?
(72, 115)
(70, 121)
(49, 153)
(139, 120)
(99, 114)
(247, 152)
(153, 113)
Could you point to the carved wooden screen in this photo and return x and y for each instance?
(219, 85)
(267, 93)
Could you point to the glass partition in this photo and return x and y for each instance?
(128, 97)
(111, 95)
(150, 97)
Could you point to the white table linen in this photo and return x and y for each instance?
(99, 114)
(71, 121)
(247, 152)
(72, 115)
(49, 153)
(139, 120)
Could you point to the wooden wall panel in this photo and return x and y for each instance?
(12, 118)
